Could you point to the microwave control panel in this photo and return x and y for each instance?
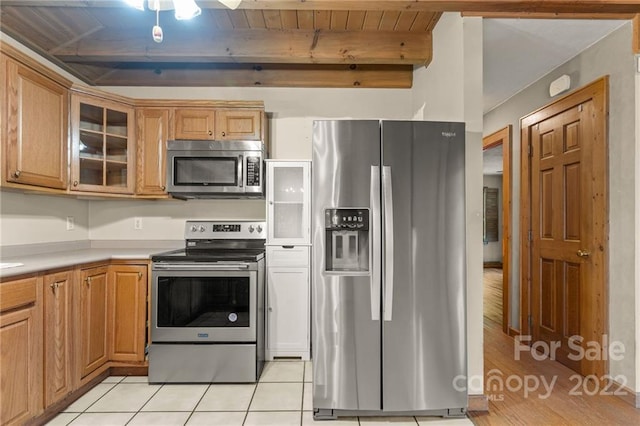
(253, 171)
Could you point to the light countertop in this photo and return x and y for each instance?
(26, 263)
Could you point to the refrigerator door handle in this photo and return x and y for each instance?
(376, 243)
(387, 195)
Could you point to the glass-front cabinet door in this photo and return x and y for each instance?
(102, 145)
(288, 202)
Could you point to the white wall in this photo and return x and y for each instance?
(450, 89)
(492, 250)
(30, 219)
(611, 56)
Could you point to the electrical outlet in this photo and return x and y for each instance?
(137, 223)
(70, 223)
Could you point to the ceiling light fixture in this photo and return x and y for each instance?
(184, 9)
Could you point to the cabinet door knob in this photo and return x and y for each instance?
(75, 183)
(17, 174)
(88, 280)
(56, 285)
(210, 133)
(224, 134)
(164, 188)
(139, 275)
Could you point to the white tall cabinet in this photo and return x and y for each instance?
(288, 258)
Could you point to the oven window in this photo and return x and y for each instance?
(206, 171)
(203, 302)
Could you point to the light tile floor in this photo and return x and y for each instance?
(281, 398)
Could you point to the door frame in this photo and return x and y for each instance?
(503, 137)
(598, 91)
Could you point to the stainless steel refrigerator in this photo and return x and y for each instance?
(388, 281)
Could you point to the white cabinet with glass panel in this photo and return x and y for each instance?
(288, 202)
(288, 259)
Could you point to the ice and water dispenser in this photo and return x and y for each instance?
(347, 240)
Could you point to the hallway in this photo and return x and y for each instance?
(539, 392)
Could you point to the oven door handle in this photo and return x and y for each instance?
(200, 266)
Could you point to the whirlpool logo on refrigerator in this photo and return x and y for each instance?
(449, 134)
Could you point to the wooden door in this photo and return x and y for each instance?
(57, 336)
(152, 135)
(568, 226)
(94, 350)
(127, 311)
(238, 124)
(195, 124)
(37, 117)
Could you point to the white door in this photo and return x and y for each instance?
(288, 312)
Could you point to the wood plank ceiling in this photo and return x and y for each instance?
(314, 43)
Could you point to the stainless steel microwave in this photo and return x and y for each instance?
(215, 169)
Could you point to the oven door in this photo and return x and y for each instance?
(203, 302)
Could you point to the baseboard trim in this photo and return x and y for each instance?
(627, 395)
(478, 403)
(492, 265)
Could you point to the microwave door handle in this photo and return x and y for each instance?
(240, 164)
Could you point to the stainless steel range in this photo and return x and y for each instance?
(207, 305)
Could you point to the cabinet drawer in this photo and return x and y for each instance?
(287, 256)
(17, 293)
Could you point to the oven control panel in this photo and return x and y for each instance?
(227, 228)
(205, 230)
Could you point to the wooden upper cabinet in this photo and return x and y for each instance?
(195, 124)
(93, 320)
(127, 312)
(152, 132)
(238, 124)
(36, 127)
(102, 145)
(57, 288)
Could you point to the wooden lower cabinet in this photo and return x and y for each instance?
(93, 319)
(60, 330)
(57, 290)
(127, 312)
(20, 351)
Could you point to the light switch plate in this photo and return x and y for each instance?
(70, 223)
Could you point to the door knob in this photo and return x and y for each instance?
(583, 253)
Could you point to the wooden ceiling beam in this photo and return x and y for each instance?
(265, 75)
(548, 15)
(256, 45)
(521, 6)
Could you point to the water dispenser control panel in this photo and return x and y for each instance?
(347, 219)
